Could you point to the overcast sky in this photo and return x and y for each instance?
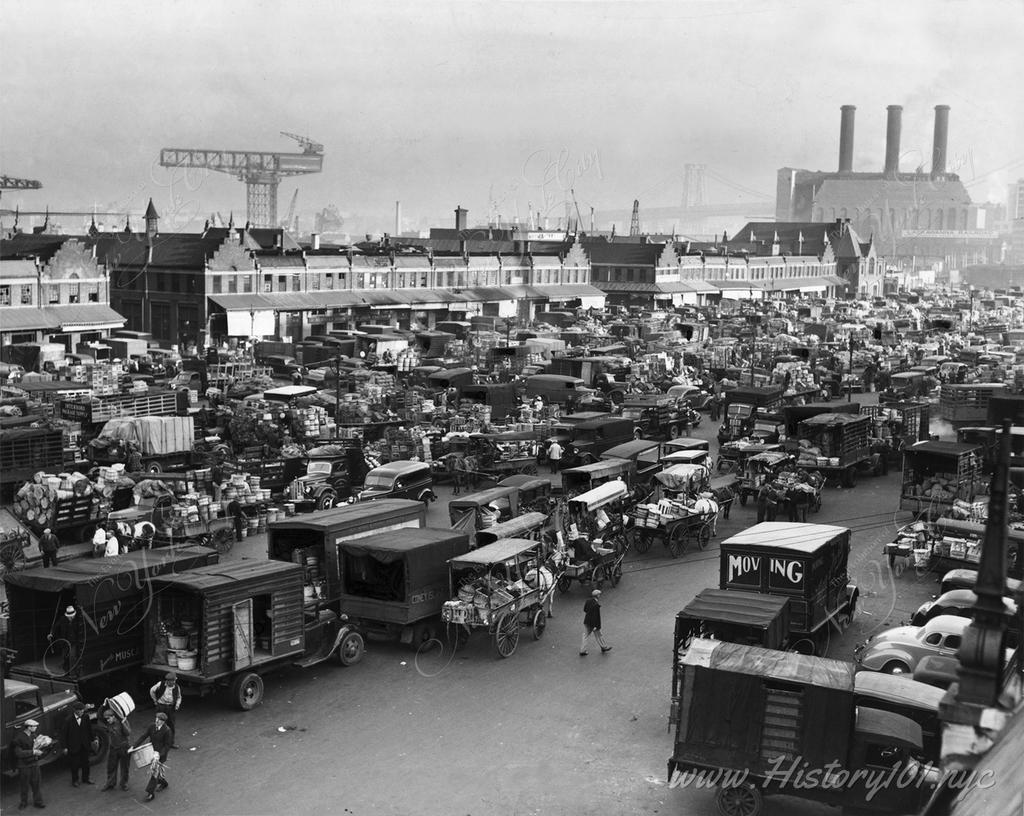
(442, 103)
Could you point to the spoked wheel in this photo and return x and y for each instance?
(704, 536)
(616, 574)
(351, 649)
(677, 540)
(540, 622)
(506, 634)
(641, 542)
(564, 582)
(599, 575)
(12, 558)
(223, 540)
(741, 800)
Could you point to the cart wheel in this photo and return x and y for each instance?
(740, 800)
(529, 470)
(704, 536)
(743, 498)
(247, 691)
(223, 540)
(616, 575)
(641, 542)
(540, 622)
(351, 649)
(506, 634)
(676, 540)
(12, 558)
(564, 582)
(599, 575)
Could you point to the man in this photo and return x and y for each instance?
(119, 736)
(27, 757)
(592, 623)
(48, 546)
(134, 458)
(554, 455)
(99, 541)
(166, 696)
(67, 636)
(77, 738)
(113, 546)
(235, 512)
(160, 737)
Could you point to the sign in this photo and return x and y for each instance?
(743, 570)
(785, 573)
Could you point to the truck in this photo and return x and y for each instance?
(656, 416)
(248, 618)
(842, 443)
(39, 357)
(164, 442)
(392, 585)
(968, 403)
(804, 563)
(584, 442)
(97, 410)
(597, 372)
(26, 451)
(113, 596)
(742, 406)
(758, 722)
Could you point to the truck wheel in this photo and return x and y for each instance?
(673, 431)
(247, 691)
(351, 649)
(739, 800)
(426, 497)
(153, 467)
(101, 741)
(326, 500)
(638, 434)
(86, 533)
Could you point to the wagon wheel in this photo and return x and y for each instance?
(739, 800)
(599, 575)
(12, 558)
(616, 574)
(529, 470)
(704, 535)
(222, 540)
(540, 622)
(816, 506)
(641, 541)
(506, 634)
(676, 539)
(564, 583)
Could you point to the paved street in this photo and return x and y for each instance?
(543, 732)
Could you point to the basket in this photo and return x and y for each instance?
(922, 555)
(177, 641)
(144, 755)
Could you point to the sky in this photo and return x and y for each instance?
(500, 107)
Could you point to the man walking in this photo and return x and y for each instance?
(159, 736)
(554, 455)
(592, 623)
(77, 738)
(166, 697)
(48, 546)
(27, 756)
(119, 736)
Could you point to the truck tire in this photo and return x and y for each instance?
(153, 467)
(247, 691)
(326, 500)
(739, 800)
(351, 649)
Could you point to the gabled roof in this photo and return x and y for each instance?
(25, 245)
(795, 238)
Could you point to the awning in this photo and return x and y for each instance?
(86, 316)
(242, 302)
(699, 286)
(20, 319)
(568, 291)
(799, 284)
(833, 280)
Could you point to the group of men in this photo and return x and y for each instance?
(79, 738)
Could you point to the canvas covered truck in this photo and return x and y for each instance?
(164, 442)
(835, 445)
(97, 410)
(247, 618)
(113, 597)
(392, 585)
(755, 722)
(26, 451)
(805, 563)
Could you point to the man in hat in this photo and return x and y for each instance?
(67, 637)
(160, 737)
(77, 738)
(592, 623)
(27, 757)
(48, 546)
(166, 696)
(119, 737)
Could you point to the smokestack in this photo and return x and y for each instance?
(314, 240)
(892, 140)
(398, 218)
(846, 138)
(939, 141)
(461, 217)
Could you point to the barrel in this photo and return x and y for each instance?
(177, 641)
(187, 660)
(121, 704)
(172, 658)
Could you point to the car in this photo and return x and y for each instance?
(967, 578)
(400, 480)
(697, 398)
(11, 371)
(958, 602)
(283, 366)
(899, 650)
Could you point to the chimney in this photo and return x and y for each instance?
(461, 217)
(846, 138)
(939, 141)
(893, 126)
(314, 240)
(398, 218)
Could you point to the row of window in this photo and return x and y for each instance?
(949, 219)
(54, 294)
(738, 272)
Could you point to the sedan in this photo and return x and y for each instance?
(899, 650)
(955, 602)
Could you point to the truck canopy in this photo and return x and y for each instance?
(725, 611)
(154, 435)
(770, 664)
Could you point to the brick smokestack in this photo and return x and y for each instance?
(893, 127)
(461, 218)
(846, 138)
(939, 141)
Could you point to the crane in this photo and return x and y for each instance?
(261, 171)
(9, 183)
(287, 223)
(579, 218)
(308, 145)
(634, 223)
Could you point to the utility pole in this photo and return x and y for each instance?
(337, 391)
(849, 389)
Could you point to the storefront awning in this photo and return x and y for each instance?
(19, 319)
(79, 316)
(833, 280)
(569, 291)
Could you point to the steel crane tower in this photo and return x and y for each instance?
(261, 171)
(634, 221)
(8, 183)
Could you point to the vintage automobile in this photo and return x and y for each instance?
(956, 602)
(400, 480)
(967, 578)
(690, 394)
(899, 650)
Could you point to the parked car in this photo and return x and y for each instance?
(696, 398)
(400, 480)
(283, 366)
(958, 602)
(967, 578)
(899, 650)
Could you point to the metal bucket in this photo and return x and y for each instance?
(121, 704)
(187, 661)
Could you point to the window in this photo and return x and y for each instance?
(934, 639)
(94, 296)
(268, 283)
(282, 283)
(952, 642)
(175, 283)
(247, 283)
(161, 282)
(54, 290)
(216, 284)
(26, 294)
(5, 295)
(74, 292)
